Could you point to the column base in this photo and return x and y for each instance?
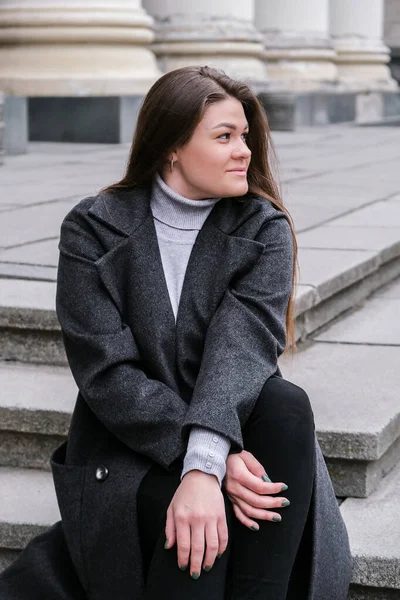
(394, 64)
(287, 111)
(95, 120)
(15, 125)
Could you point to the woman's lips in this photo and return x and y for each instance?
(241, 172)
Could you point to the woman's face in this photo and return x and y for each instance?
(214, 162)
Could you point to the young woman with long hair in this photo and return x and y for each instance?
(191, 468)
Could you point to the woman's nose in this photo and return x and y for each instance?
(241, 150)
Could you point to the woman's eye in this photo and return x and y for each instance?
(221, 136)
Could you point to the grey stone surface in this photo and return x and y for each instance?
(357, 479)
(32, 346)
(329, 271)
(380, 239)
(376, 322)
(373, 524)
(391, 291)
(27, 450)
(28, 304)
(380, 214)
(16, 125)
(28, 505)
(91, 119)
(43, 254)
(36, 399)
(357, 412)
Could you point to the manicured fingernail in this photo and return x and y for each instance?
(255, 527)
(183, 567)
(284, 488)
(195, 575)
(207, 568)
(266, 478)
(219, 555)
(286, 503)
(166, 545)
(277, 518)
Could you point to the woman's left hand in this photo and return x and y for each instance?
(247, 490)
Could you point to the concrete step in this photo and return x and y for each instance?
(350, 372)
(28, 506)
(36, 403)
(373, 524)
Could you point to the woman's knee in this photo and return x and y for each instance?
(284, 403)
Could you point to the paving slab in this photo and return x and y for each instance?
(28, 505)
(354, 392)
(40, 253)
(380, 214)
(373, 525)
(33, 223)
(376, 322)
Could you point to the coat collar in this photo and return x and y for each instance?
(133, 273)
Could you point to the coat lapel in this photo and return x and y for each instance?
(133, 273)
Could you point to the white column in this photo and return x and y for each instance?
(218, 33)
(297, 46)
(76, 48)
(362, 57)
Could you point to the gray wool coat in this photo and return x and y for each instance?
(144, 380)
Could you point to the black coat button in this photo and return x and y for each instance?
(101, 473)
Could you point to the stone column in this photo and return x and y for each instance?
(362, 57)
(219, 33)
(76, 49)
(297, 46)
(392, 35)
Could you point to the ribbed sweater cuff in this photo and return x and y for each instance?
(206, 451)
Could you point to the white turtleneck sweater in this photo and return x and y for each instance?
(178, 221)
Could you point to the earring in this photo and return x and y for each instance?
(171, 165)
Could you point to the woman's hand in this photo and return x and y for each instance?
(196, 520)
(247, 491)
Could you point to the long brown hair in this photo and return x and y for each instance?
(170, 113)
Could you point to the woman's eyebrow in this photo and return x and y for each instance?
(229, 126)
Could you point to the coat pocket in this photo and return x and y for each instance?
(69, 483)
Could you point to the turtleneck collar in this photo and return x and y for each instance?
(175, 210)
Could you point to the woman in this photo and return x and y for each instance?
(175, 299)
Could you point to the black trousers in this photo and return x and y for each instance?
(270, 564)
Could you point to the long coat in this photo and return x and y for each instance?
(144, 379)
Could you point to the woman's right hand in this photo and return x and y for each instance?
(248, 492)
(196, 520)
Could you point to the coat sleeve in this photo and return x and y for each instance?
(143, 413)
(245, 337)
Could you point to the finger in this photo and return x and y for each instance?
(212, 544)
(243, 518)
(196, 547)
(254, 485)
(253, 465)
(257, 513)
(170, 534)
(183, 541)
(223, 535)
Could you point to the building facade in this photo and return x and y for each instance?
(102, 56)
